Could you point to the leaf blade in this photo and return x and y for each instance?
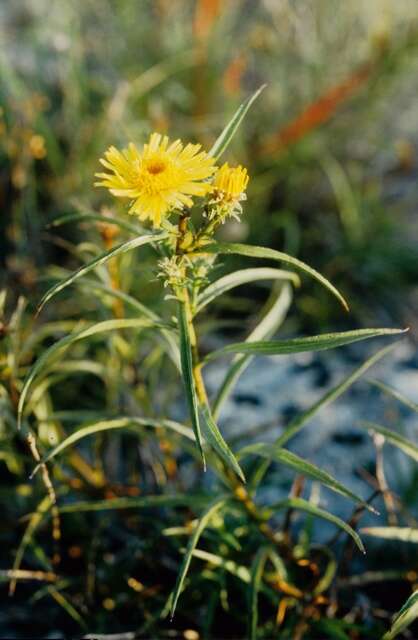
(222, 142)
(253, 251)
(214, 437)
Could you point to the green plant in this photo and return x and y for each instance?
(249, 551)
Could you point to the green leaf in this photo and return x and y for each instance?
(405, 617)
(395, 394)
(239, 571)
(141, 502)
(188, 379)
(99, 327)
(201, 526)
(229, 131)
(304, 505)
(267, 326)
(214, 437)
(271, 254)
(257, 570)
(300, 345)
(132, 423)
(394, 438)
(404, 534)
(104, 257)
(94, 217)
(239, 278)
(272, 452)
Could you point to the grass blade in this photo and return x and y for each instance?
(300, 345)
(99, 327)
(104, 257)
(404, 534)
(308, 507)
(257, 570)
(271, 254)
(188, 379)
(214, 437)
(289, 459)
(390, 391)
(238, 278)
(222, 142)
(94, 217)
(394, 438)
(405, 616)
(142, 502)
(108, 425)
(201, 525)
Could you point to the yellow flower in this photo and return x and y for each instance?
(231, 182)
(158, 179)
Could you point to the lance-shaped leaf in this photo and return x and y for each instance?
(394, 438)
(300, 421)
(238, 278)
(200, 527)
(186, 359)
(289, 459)
(308, 507)
(222, 142)
(267, 326)
(104, 257)
(214, 437)
(99, 327)
(405, 617)
(128, 422)
(390, 391)
(300, 345)
(271, 254)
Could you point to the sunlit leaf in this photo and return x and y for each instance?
(222, 142)
(214, 437)
(394, 438)
(188, 379)
(404, 534)
(405, 617)
(271, 254)
(104, 257)
(300, 345)
(238, 278)
(308, 507)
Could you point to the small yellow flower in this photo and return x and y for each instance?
(158, 179)
(231, 182)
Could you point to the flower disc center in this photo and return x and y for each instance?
(156, 166)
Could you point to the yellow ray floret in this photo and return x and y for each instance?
(158, 179)
(231, 182)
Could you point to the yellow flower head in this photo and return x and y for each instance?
(158, 179)
(231, 182)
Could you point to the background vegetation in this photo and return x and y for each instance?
(331, 151)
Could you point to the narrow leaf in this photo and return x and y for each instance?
(229, 131)
(188, 379)
(308, 507)
(300, 345)
(94, 217)
(405, 617)
(201, 526)
(267, 326)
(273, 452)
(104, 257)
(141, 502)
(257, 570)
(108, 425)
(395, 394)
(271, 254)
(394, 438)
(214, 437)
(99, 327)
(404, 534)
(238, 278)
